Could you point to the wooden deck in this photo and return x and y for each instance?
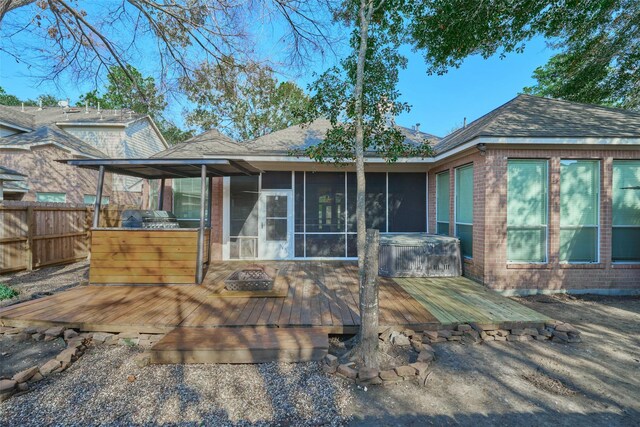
(318, 294)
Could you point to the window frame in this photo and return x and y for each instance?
(547, 226)
(455, 205)
(597, 226)
(105, 199)
(441, 173)
(613, 226)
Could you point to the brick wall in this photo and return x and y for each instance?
(473, 268)
(45, 174)
(216, 219)
(552, 276)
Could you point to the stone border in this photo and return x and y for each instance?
(474, 333)
(412, 371)
(76, 345)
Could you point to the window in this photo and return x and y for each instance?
(527, 200)
(464, 209)
(443, 191)
(154, 193)
(51, 197)
(579, 210)
(90, 199)
(186, 199)
(625, 243)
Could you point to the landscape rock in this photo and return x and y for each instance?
(373, 381)
(406, 371)
(7, 389)
(70, 333)
(67, 355)
(560, 336)
(425, 356)
(409, 332)
(37, 377)
(25, 375)
(37, 336)
(101, 337)
(366, 374)
(22, 387)
(22, 337)
(499, 338)
(49, 367)
(420, 367)
(390, 376)
(131, 378)
(445, 333)
(400, 340)
(519, 338)
(347, 371)
(142, 360)
(55, 332)
(566, 327)
(386, 335)
(463, 327)
(430, 334)
(331, 360)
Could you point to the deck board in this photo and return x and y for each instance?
(321, 294)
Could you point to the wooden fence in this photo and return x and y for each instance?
(35, 235)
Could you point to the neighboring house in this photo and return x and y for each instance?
(33, 139)
(542, 193)
(7, 177)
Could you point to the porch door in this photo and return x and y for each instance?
(275, 234)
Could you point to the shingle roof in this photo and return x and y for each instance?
(51, 115)
(48, 134)
(15, 117)
(281, 142)
(7, 174)
(538, 117)
(300, 137)
(211, 141)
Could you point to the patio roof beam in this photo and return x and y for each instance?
(240, 167)
(98, 202)
(199, 258)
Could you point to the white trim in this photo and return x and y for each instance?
(427, 200)
(598, 218)
(558, 140)
(447, 171)
(547, 226)
(226, 219)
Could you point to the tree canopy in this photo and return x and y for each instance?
(599, 42)
(47, 100)
(243, 100)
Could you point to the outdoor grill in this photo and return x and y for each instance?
(137, 218)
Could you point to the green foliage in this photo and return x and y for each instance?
(7, 99)
(6, 292)
(12, 100)
(599, 42)
(243, 100)
(172, 133)
(334, 95)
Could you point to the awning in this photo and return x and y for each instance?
(159, 168)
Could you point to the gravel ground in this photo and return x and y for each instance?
(45, 281)
(95, 390)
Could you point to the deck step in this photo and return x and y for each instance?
(241, 345)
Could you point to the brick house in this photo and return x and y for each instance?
(543, 194)
(33, 139)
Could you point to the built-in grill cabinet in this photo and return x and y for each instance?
(138, 218)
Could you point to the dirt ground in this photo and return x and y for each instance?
(16, 356)
(596, 382)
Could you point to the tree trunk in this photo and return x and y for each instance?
(368, 309)
(369, 302)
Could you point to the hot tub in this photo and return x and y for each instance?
(419, 255)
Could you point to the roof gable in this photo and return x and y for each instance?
(16, 119)
(538, 117)
(50, 135)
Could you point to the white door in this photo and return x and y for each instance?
(275, 234)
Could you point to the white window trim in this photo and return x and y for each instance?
(546, 245)
(619, 226)
(455, 205)
(598, 219)
(442, 222)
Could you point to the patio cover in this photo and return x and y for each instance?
(161, 168)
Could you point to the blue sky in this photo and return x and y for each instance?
(439, 103)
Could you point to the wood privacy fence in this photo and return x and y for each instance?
(34, 235)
